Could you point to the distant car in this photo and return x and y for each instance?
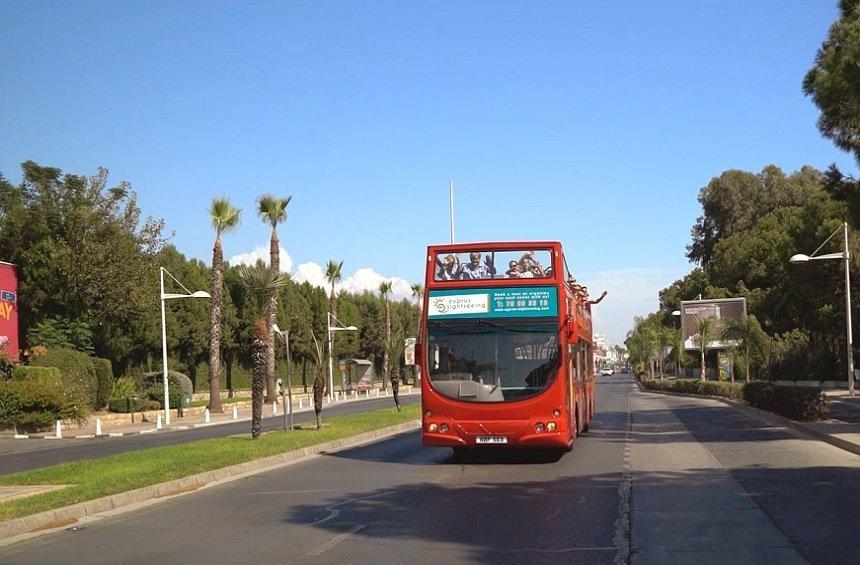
(607, 371)
(623, 370)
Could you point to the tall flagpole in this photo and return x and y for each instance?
(451, 206)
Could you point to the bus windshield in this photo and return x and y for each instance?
(492, 361)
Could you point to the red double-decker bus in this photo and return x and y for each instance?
(505, 350)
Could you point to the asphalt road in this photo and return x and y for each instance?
(658, 479)
(20, 455)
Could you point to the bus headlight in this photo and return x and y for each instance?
(431, 427)
(539, 427)
(550, 426)
(428, 414)
(443, 428)
(556, 413)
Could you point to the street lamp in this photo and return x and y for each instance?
(801, 258)
(165, 296)
(285, 335)
(331, 329)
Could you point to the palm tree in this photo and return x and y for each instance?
(384, 293)
(677, 343)
(418, 294)
(225, 219)
(333, 274)
(319, 378)
(261, 283)
(705, 329)
(273, 211)
(664, 340)
(747, 332)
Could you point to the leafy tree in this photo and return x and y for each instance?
(85, 254)
(225, 219)
(273, 211)
(63, 333)
(261, 283)
(833, 82)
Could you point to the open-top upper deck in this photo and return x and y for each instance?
(495, 264)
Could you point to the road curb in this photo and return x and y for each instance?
(768, 418)
(20, 529)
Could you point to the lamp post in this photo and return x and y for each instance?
(801, 258)
(165, 296)
(285, 335)
(331, 330)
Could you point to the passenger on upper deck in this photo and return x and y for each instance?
(474, 269)
(530, 265)
(450, 269)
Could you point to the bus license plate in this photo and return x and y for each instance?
(491, 439)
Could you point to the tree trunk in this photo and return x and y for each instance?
(702, 374)
(258, 383)
(395, 391)
(319, 387)
(272, 311)
(747, 365)
(217, 292)
(387, 344)
(332, 306)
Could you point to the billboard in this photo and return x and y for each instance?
(9, 310)
(692, 311)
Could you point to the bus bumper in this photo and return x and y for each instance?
(536, 440)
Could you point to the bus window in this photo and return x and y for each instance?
(474, 265)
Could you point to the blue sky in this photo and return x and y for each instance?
(594, 123)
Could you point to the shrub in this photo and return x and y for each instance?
(104, 376)
(25, 372)
(156, 394)
(796, 403)
(7, 367)
(730, 390)
(36, 403)
(129, 404)
(77, 369)
(175, 380)
(125, 387)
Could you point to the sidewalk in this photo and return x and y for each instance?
(195, 417)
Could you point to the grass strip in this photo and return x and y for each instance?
(135, 469)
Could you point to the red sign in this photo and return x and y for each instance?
(9, 310)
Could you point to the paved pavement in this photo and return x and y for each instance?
(20, 455)
(658, 479)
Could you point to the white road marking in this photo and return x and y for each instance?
(622, 524)
(290, 491)
(335, 540)
(334, 512)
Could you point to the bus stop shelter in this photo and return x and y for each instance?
(356, 374)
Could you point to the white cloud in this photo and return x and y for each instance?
(262, 252)
(632, 292)
(314, 273)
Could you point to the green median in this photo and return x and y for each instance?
(128, 471)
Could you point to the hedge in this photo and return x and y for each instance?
(104, 376)
(175, 380)
(36, 403)
(796, 403)
(77, 369)
(733, 391)
(24, 372)
(126, 405)
(156, 394)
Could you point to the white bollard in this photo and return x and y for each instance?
(377, 393)
(300, 403)
(98, 426)
(158, 422)
(206, 416)
(235, 413)
(58, 429)
(274, 408)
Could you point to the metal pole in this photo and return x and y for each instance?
(164, 352)
(289, 382)
(849, 345)
(451, 206)
(330, 361)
